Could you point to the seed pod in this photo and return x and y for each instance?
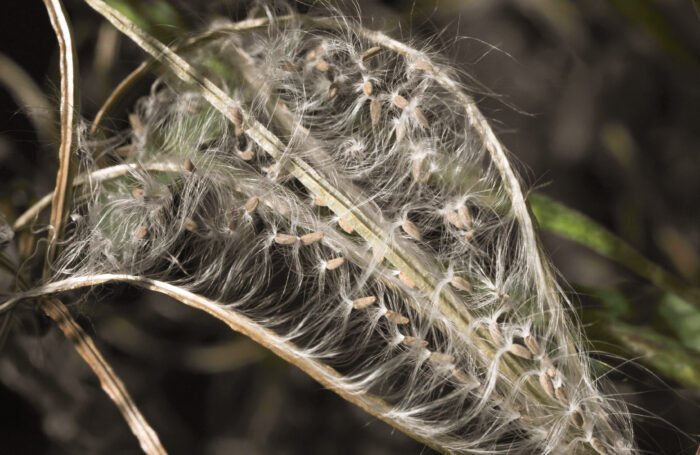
(141, 232)
(252, 204)
(496, 334)
(371, 52)
(399, 101)
(532, 345)
(333, 264)
(363, 302)
(414, 342)
(421, 117)
(406, 280)
(375, 111)
(461, 284)
(411, 229)
(308, 239)
(247, 155)
(286, 239)
(346, 226)
(136, 125)
(189, 167)
(520, 351)
(322, 66)
(562, 396)
(439, 358)
(191, 225)
(546, 384)
(396, 318)
(332, 91)
(367, 88)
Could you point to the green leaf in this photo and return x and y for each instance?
(683, 319)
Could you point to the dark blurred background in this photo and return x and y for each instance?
(599, 103)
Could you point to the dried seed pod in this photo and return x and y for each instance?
(496, 334)
(323, 66)
(247, 155)
(532, 345)
(367, 88)
(546, 384)
(345, 225)
(290, 66)
(308, 239)
(399, 101)
(411, 229)
(375, 111)
(369, 53)
(137, 192)
(461, 284)
(141, 232)
(191, 225)
(286, 239)
(363, 302)
(332, 91)
(421, 117)
(439, 358)
(562, 396)
(333, 264)
(406, 280)
(414, 342)
(520, 351)
(396, 318)
(252, 204)
(189, 167)
(136, 125)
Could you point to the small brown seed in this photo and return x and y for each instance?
(520, 351)
(495, 332)
(417, 168)
(461, 284)
(323, 66)
(422, 65)
(345, 225)
(141, 232)
(561, 395)
(237, 131)
(453, 218)
(252, 204)
(332, 91)
(237, 116)
(421, 117)
(406, 280)
(375, 111)
(469, 235)
(532, 345)
(290, 67)
(395, 317)
(411, 229)
(439, 358)
(371, 52)
(367, 88)
(551, 371)
(333, 264)
(414, 342)
(465, 378)
(363, 302)
(399, 101)
(598, 446)
(308, 239)
(546, 384)
(136, 125)
(191, 225)
(247, 155)
(464, 216)
(189, 166)
(125, 150)
(137, 192)
(286, 239)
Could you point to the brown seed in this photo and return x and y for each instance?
(375, 111)
(286, 239)
(561, 395)
(461, 284)
(395, 317)
(406, 280)
(346, 226)
(414, 342)
(598, 446)
(191, 225)
(551, 371)
(400, 131)
(532, 345)
(237, 131)
(371, 52)
(367, 88)
(333, 264)
(363, 302)
(323, 66)
(465, 378)
(464, 216)
(400, 101)
(137, 192)
(290, 66)
(136, 125)
(247, 155)
(237, 116)
(411, 229)
(308, 239)
(125, 150)
(189, 166)
(421, 117)
(439, 358)
(578, 418)
(422, 65)
(141, 232)
(417, 168)
(469, 235)
(495, 332)
(332, 91)
(252, 204)
(313, 53)
(520, 351)
(453, 217)
(546, 384)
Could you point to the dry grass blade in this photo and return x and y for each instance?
(69, 106)
(111, 384)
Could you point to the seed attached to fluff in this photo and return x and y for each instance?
(399, 101)
(406, 280)
(495, 332)
(453, 218)
(375, 111)
(247, 155)
(308, 239)
(546, 384)
(237, 116)
(141, 232)
(125, 150)
(461, 284)
(469, 235)
(137, 192)
(371, 52)
(136, 125)
(561, 395)
(421, 117)
(439, 358)
(189, 167)
(417, 168)
(396, 318)
(367, 88)
(464, 216)
(414, 342)
(465, 378)
(411, 229)
(252, 204)
(286, 239)
(345, 225)
(290, 67)
(532, 345)
(363, 302)
(313, 53)
(323, 66)
(578, 418)
(332, 91)
(191, 225)
(423, 65)
(598, 446)
(333, 264)
(520, 351)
